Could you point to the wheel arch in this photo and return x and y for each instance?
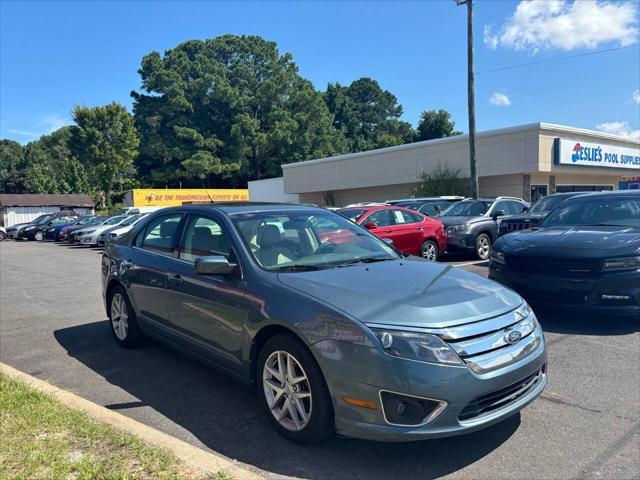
(261, 337)
(113, 283)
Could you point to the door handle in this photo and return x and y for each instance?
(388, 231)
(126, 264)
(155, 283)
(176, 279)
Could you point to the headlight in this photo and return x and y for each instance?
(88, 232)
(618, 264)
(457, 228)
(498, 257)
(421, 347)
(28, 228)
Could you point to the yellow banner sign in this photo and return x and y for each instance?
(151, 197)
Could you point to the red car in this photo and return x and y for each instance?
(411, 232)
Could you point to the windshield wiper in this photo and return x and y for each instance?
(363, 260)
(295, 268)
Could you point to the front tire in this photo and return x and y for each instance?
(429, 251)
(483, 246)
(2, 236)
(122, 319)
(38, 236)
(293, 391)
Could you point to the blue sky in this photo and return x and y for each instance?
(57, 54)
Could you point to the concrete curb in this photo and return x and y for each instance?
(195, 457)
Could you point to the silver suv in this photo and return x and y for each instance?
(472, 224)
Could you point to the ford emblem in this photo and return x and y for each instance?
(512, 336)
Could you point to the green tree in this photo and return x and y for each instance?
(435, 124)
(367, 115)
(40, 174)
(12, 167)
(441, 181)
(105, 140)
(227, 110)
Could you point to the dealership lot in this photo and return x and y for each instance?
(586, 424)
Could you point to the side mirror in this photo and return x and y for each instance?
(213, 265)
(498, 213)
(388, 241)
(370, 225)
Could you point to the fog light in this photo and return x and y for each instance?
(409, 411)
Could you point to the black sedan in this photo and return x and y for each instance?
(535, 214)
(585, 256)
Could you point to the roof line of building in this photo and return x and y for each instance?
(459, 138)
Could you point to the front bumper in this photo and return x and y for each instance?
(88, 240)
(12, 234)
(371, 370)
(460, 241)
(574, 293)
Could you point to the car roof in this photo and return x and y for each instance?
(606, 193)
(230, 208)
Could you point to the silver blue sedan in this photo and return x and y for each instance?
(337, 331)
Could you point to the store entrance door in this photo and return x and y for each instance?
(538, 191)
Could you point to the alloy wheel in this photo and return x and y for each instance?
(119, 316)
(430, 251)
(484, 247)
(287, 390)
(39, 236)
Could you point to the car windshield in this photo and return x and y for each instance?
(131, 220)
(85, 220)
(467, 209)
(114, 220)
(308, 240)
(546, 204)
(43, 219)
(598, 211)
(353, 214)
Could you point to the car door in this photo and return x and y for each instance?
(407, 231)
(207, 311)
(382, 219)
(152, 256)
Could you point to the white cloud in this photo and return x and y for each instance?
(546, 24)
(52, 121)
(619, 128)
(499, 99)
(23, 133)
(636, 96)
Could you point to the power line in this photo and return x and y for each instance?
(510, 67)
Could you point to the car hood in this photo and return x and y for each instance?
(589, 241)
(448, 221)
(408, 292)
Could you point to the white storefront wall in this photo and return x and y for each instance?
(14, 215)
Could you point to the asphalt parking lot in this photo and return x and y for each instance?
(585, 425)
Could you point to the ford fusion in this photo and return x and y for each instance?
(345, 337)
(586, 255)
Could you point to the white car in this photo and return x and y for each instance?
(114, 232)
(89, 235)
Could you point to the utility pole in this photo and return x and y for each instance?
(473, 168)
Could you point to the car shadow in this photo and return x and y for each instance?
(572, 323)
(226, 416)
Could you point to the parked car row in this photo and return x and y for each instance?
(86, 230)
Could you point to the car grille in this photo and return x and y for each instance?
(562, 266)
(486, 345)
(502, 398)
(507, 227)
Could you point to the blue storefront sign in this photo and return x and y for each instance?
(572, 152)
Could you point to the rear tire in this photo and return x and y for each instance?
(429, 251)
(293, 391)
(122, 319)
(2, 236)
(483, 246)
